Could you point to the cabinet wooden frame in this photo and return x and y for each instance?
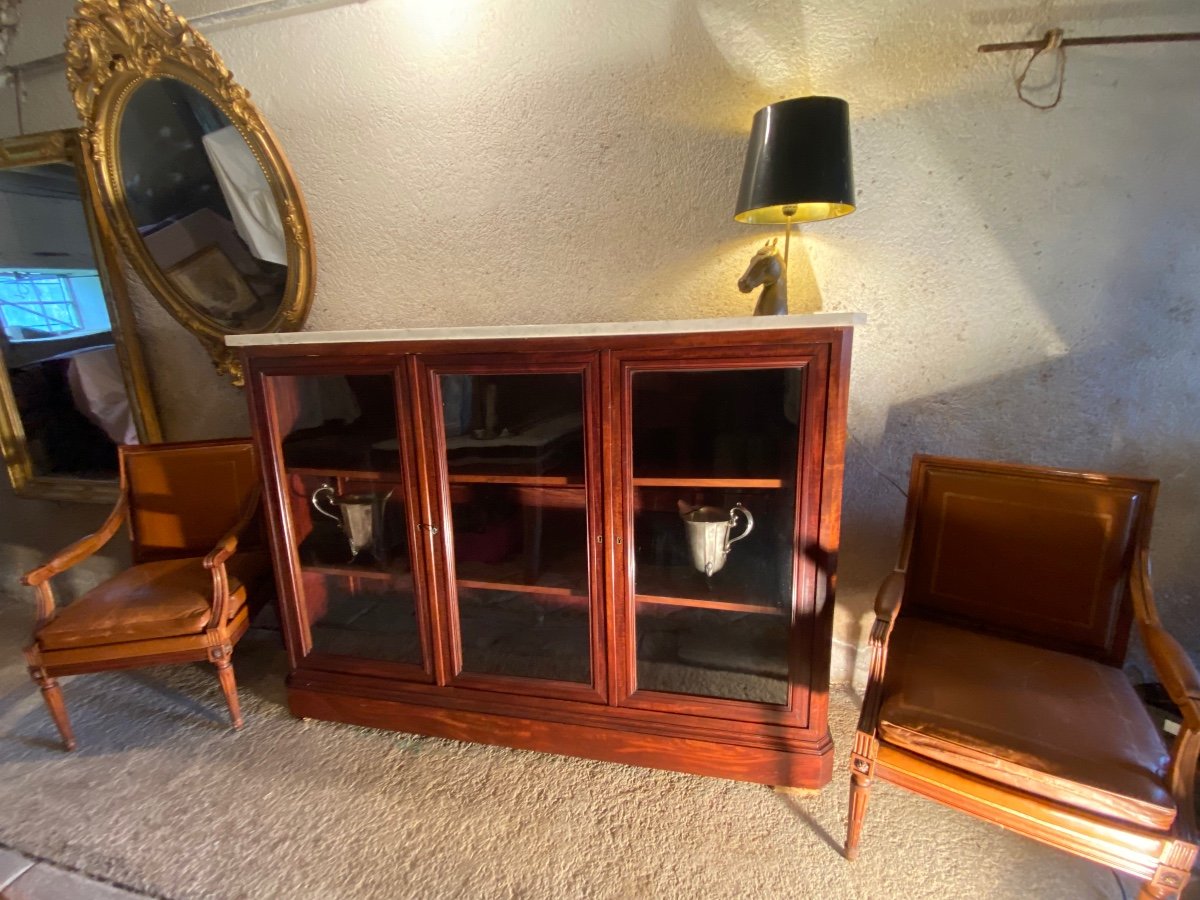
(265, 402)
(809, 590)
(428, 369)
(787, 744)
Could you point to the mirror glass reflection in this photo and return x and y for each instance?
(57, 340)
(202, 205)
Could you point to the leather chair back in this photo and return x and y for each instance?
(184, 497)
(1033, 556)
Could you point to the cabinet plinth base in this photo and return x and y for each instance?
(802, 769)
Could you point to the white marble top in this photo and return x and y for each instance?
(582, 329)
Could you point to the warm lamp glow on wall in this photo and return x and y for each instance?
(798, 169)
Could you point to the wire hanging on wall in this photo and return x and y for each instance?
(1054, 42)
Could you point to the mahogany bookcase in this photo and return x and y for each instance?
(501, 555)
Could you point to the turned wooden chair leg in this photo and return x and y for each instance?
(53, 696)
(220, 659)
(860, 790)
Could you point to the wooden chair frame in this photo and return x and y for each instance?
(1163, 860)
(215, 643)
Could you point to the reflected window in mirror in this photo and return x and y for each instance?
(64, 401)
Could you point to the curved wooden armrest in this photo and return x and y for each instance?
(80, 550)
(1177, 671)
(1182, 683)
(215, 561)
(229, 541)
(887, 607)
(39, 578)
(1140, 588)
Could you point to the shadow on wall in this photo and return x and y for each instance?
(1075, 340)
(1063, 412)
(1118, 295)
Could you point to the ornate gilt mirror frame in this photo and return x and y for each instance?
(114, 47)
(66, 147)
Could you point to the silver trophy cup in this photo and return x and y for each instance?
(708, 537)
(360, 516)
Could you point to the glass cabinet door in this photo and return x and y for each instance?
(347, 501)
(713, 459)
(514, 453)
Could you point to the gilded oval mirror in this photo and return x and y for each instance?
(200, 194)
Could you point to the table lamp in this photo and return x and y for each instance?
(798, 169)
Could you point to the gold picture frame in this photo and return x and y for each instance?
(66, 147)
(211, 270)
(114, 47)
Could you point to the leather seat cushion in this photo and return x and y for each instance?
(1062, 727)
(159, 599)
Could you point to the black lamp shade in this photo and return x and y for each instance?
(798, 165)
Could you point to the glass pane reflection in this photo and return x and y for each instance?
(712, 653)
(711, 450)
(529, 635)
(515, 458)
(347, 506)
(371, 618)
(506, 425)
(716, 424)
(332, 422)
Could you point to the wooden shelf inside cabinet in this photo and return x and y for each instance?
(347, 474)
(518, 588)
(533, 494)
(401, 578)
(715, 483)
(322, 554)
(508, 577)
(741, 590)
(571, 481)
(722, 605)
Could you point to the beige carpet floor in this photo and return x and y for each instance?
(161, 797)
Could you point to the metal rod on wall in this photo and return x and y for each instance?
(1170, 38)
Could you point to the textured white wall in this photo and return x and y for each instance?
(1031, 277)
(32, 225)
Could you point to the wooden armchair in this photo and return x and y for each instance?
(996, 685)
(186, 596)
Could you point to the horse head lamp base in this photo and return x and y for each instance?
(768, 269)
